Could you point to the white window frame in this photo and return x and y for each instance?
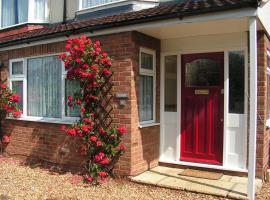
(148, 72)
(31, 17)
(23, 77)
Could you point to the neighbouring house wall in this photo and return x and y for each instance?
(46, 141)
(72, 7)
(262, 133)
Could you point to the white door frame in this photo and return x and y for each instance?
(226, 103)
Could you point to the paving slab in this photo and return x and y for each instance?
(226, 178)
(226, 186)
(206, 186)
(239, 191)
(148, 178)
(236, 179)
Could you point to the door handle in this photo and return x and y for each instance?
(221, 120)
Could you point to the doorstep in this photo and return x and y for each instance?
(227, 186)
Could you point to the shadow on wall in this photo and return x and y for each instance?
(148, 138)
(42, 145)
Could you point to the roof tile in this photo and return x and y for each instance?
(188, 7)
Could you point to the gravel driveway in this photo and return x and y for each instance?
(20, 182)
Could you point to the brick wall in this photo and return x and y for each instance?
(262, 133)
(45, 140)
(145, 141)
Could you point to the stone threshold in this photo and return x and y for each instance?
(227, 186)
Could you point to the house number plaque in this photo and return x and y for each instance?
(201, 92)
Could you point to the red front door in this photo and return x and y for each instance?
(202, 108)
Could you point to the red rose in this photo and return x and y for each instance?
(85, 66)
(83, 110)
(101, 131)
(105, 161)
(70, 104)
(87, 120)
(122, 130)
(68, 46)
(78, 60)
(102, 174)
(93, 138)
(17, 114)
(97, 43)
(106, 72)
(89, 179)
(6, 139)
(63, 56)
(85, 128)
(70, 98)
(98, 143)
(84, 37)
(15, 98)
(104, 54)
(71, 132)
(122, 147)
(76, 48)
(3, 86)
(78, 102)
(94, 68)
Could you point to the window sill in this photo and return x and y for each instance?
(148, 125)
(2, 29)
(47, 120)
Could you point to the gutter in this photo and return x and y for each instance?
(91, 29)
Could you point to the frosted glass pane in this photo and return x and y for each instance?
(44, 87)
(146, 98)
(236, 82)
(146, 61)
(170, 89)
(17, 68)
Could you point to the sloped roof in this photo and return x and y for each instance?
(163, 11)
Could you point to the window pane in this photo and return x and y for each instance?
(17, 68)
(146, 61)
(170, 89)
(14, 12)
(202, 72)
(22, 11)
(91, 3)
(146, 98)
(236, 82)
(71, 87)
(44, 87)
(40, 10)
(17, 87)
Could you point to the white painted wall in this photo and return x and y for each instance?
(235, 133)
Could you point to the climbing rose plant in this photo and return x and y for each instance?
(8, 106)
(86, 63)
